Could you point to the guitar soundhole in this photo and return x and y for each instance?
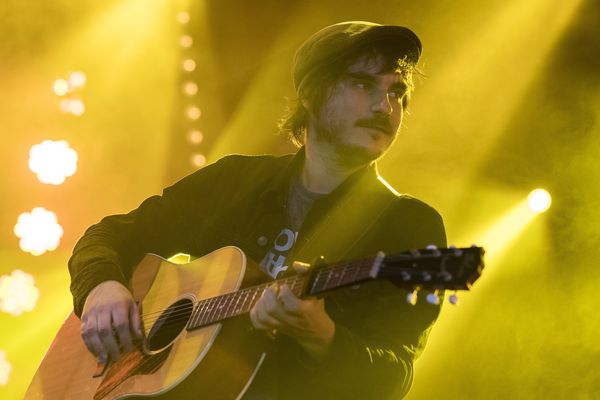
(170, 324)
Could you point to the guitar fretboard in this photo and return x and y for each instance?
(215, 309)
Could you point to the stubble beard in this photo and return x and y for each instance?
(347, 155)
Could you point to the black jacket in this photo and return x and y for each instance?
(241, 201)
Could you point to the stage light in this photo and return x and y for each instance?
(5, 369)
(60, 87)
(183, 17)
(18, 293)
(77, 79)
(193, 112)
(52, 161)
(195, 136)
(180, 258)
(539, 200)
(189, 65)
(38, 231)
(198, 160)
(190, 88)
(186, 41)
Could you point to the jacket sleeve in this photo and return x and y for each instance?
(111, 248)
(372, 354)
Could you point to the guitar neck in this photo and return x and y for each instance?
(313, 283)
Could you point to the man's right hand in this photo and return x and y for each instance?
(110, 317)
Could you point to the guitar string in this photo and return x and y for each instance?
(293, 279)
(183, 312)
(186, 310)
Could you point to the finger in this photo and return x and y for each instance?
(261, 320)
(267, 320)
(120, 321)
(107, 336)
(134, 318)
(288, 300)
(89, 334)
(269, 302)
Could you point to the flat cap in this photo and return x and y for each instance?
(335, 41)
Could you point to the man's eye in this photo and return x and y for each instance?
(397, 94)
(362, 85)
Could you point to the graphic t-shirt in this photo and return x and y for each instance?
(300, 201)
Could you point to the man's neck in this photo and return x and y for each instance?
(322, 172)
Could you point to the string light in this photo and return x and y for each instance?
(193, 112)
(189, 65)
(183, 17)
(186, 41)
(195, 136)
(198, 160)
(190, 88)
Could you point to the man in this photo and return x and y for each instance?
(353, 81)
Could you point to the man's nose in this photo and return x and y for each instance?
(381, 103)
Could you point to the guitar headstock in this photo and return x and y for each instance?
(434, 269)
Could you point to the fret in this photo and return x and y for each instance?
(235, 306)
(200, 312)
(196, 314)
(206, 315)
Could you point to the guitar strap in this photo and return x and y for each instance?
(346, 223)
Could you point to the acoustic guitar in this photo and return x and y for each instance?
(192, 316)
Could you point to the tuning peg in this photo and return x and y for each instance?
(453, 298)
(433, 248)
(411, 298)
(405, 276)
(415, 253)
(446, 276)
(426, 276)
(456, 251)
(433, 298)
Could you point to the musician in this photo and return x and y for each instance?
(353, 81)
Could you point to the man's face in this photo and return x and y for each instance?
(361, 117)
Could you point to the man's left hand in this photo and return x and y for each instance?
(304, 320)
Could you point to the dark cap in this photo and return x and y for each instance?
(335, 41)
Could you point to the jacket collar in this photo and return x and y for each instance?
(277, 191)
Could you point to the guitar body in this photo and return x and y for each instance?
(213, 362)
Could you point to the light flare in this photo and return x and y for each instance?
(53, 161)
(18, 293)
(38, 231)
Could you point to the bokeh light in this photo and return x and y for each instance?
(38, 231)
(52, 161)
(5, 369)
(60, 87)
(186, 41)
(195, 136)
(539, 200)
(183, 17)
(72, 106)
(190, 88)
(77, 79)
(189, 65)
(18, 293)
(198, 160)
(193, 112)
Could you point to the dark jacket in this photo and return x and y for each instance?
(241, 200)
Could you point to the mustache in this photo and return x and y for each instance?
(381, 123)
